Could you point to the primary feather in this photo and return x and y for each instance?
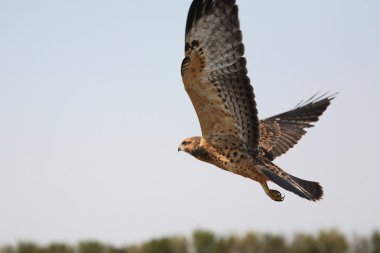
(281, 132)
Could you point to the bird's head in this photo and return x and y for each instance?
(188, 145)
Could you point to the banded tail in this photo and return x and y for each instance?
(303, 188)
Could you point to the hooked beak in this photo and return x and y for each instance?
(180, 148)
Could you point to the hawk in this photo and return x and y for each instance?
(215, 77)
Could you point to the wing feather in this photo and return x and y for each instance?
(215, 75)
(281, 132)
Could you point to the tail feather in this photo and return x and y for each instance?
(303, 188)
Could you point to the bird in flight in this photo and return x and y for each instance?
(215, 77)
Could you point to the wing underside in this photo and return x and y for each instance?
(281, 132)
(215, 75)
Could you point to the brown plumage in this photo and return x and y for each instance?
(215, 77)
(281, 132)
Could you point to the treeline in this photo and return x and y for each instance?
(201, 241)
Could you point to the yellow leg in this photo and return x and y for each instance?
(273, 194)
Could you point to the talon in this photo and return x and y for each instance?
(273, 194)
(276, 195)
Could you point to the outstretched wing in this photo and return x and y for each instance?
(281, 132)
(215, 76)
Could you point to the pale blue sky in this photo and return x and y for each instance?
(93, 109)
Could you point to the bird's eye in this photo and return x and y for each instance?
(185, 143)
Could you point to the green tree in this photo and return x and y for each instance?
(251, 243)
(132, 249)
(303, 243)
(376, 242)
(174, 244)
(179, 244)
(91, 247)
(28, 247)
(332, 242)
(274, 244)
(59, 248)
(7, 249)
(229, 244)
(361, 245)
(112, 249)
(204, 241)
(156, 246)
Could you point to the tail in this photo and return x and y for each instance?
(303, 188)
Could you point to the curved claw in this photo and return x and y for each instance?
(273, 194)
(276, 195)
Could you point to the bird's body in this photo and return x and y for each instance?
(233, 160)
(215, 77)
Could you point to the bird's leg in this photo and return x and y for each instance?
(273, 194)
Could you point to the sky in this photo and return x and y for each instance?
(93, 109)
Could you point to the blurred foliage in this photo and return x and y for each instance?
(28, 247)
(304, 243)
(332, 242)
(59, 248)
(251, 243)
(361, 245)
(376, 242)
(274, 244)
(7, 249)
(91, 247)
(204, 241)
(112, 249)
(165, 245)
